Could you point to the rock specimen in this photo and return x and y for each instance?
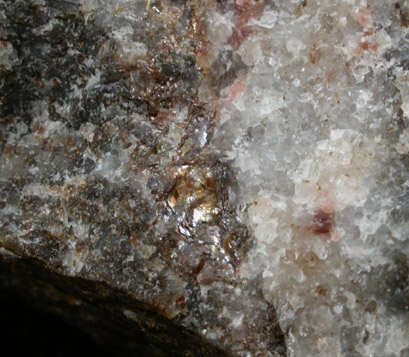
(113, 206)
(316, 131)
(203, 178)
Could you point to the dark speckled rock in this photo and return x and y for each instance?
(114, 212)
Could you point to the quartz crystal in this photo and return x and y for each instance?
(316, 129)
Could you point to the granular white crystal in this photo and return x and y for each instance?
(312, 136)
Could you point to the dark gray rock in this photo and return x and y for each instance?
(114, 212)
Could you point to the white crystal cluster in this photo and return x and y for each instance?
(316, 131)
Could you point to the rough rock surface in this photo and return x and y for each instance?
(221, 177)
(316, 129)
(107, 176)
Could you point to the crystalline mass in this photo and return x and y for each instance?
(239, 166)
(317, 138)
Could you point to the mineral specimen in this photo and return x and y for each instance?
(203, 178)
(317, 139)
(107, 177)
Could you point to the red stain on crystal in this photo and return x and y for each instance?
(237, 89)
(364, 17)
(322, 222)
(245, 11)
